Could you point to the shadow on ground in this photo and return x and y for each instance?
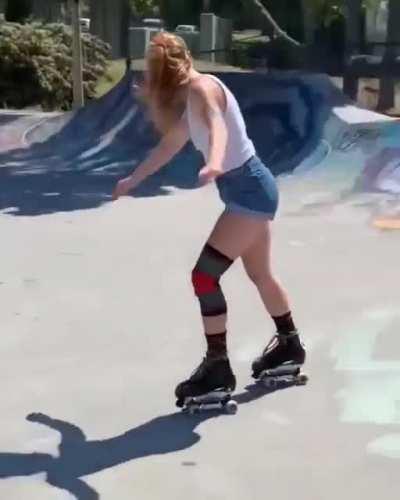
(31, 189)
(75, 159)
(79, 457)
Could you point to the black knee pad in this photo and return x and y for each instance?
(205, 278)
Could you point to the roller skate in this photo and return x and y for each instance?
(209, 388)
(281, 362)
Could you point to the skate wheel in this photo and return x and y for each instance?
(270, 383)
(180, 403)
(193, 409)
(231, 407)
(302, 379)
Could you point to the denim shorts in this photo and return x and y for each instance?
(250, 190)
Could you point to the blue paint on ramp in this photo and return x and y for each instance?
(298, 122)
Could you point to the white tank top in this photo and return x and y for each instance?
(239, 147)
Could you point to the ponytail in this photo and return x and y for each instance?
(169, 63)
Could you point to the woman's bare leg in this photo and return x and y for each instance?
(232, 236)
(286, 346)
(257, 263)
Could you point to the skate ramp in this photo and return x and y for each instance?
(16, 125)
(99, 322)
(303, 128)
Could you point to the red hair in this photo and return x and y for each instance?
(168, 66)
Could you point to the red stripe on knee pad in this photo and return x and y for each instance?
(203, 283)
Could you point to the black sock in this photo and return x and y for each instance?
(284, 324)
(216, 345)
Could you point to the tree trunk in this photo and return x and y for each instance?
(353, 15)
(17, 11)
(110, 22)
(206, 5)
(262, 11)
(48, 12)
(387, 86)
(308, 21)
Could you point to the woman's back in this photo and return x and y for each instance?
(239, 147)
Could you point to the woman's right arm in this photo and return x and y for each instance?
(166, 149)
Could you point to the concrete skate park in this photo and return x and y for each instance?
(99, 323)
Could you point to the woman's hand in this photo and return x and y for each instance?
(209, 173)
(167, 148)
(122, 188)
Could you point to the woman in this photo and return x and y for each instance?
(186, 105)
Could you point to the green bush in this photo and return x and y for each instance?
(277, 53)
(36, 61)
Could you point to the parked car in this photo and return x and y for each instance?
(153, 23)
(85, 23)
(186, 28)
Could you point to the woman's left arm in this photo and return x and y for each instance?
(211, 108)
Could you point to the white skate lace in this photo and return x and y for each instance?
(276, 340)
(272, 344)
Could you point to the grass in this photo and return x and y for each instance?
(116, 69)
(115, 72)
(249, 42)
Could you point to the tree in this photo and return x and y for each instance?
(206, 5)
(18, 11)
(387, 85)
(323, 13)
(328, 10)
(352, 10)
(47, 11)
(354, 13)
(180, 11)
(109, 20)
(277, 31)
(35, 65)
(188, 11)
(145, 8)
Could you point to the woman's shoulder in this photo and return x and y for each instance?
(205, 84)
